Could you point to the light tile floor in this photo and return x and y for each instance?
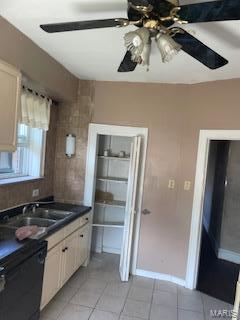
(96, 293)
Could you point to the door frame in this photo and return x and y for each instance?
(94, 131)
(205, 138)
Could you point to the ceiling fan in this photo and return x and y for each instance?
(161, 20)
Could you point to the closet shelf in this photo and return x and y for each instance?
(109, 225)
(113, 179)
(114, 158)
(111, 203)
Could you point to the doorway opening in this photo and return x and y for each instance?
(220, 240)
(114, 179)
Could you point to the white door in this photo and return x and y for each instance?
(130, 210)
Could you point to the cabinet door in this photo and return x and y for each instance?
(82, 245)
(52, 274)
(10, 87)
(69, 256)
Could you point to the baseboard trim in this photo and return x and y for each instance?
(160, 276)
(229, 255)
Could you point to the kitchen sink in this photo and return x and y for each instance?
(31, 221)
(51, 214)
(41, 217)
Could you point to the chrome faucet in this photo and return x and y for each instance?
(30, 207)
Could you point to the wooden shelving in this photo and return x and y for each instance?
(113, 179)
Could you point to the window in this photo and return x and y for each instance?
(28, 159)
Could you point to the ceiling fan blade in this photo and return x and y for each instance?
(127, 65)
(82, 25)
(199, 50)
(140, 2)
(211, 11)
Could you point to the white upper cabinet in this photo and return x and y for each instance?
(10, 88)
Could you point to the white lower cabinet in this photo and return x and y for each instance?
(52, 274)
(70, 250)
(82, 245)
(64, 258)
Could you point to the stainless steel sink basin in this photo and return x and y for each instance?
(32, 221)
(44, 218)
(51, 214)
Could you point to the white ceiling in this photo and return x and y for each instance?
(96, 54)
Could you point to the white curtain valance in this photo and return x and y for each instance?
(35, 110)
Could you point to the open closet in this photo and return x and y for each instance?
(113, 176)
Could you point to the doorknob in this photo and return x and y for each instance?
(146, 211)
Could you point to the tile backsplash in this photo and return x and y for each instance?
(73, 118)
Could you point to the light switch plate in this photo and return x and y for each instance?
(187, 185)
(171, 184)
(35, 193)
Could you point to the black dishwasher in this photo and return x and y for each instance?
(21, 283)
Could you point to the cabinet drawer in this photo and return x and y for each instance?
(55, 239)
(72, 227)
(85, 219)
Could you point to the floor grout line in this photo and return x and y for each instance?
(151, 302)
(107, 269)
(126, 297)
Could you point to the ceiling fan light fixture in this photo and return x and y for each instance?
(136, 41)
(167, 46)
(145, 56)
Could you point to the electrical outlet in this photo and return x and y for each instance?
(187, 185)
(35, 193)
(171, 184)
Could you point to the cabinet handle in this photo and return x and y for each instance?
(81, 235)
(86, 219)
(66, 248)
(63, 250)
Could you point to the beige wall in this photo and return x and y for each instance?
(36, 64)
(174, 115)
(19, 193)
(73, 118)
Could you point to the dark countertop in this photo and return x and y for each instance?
(11, 248)
(78, 211)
